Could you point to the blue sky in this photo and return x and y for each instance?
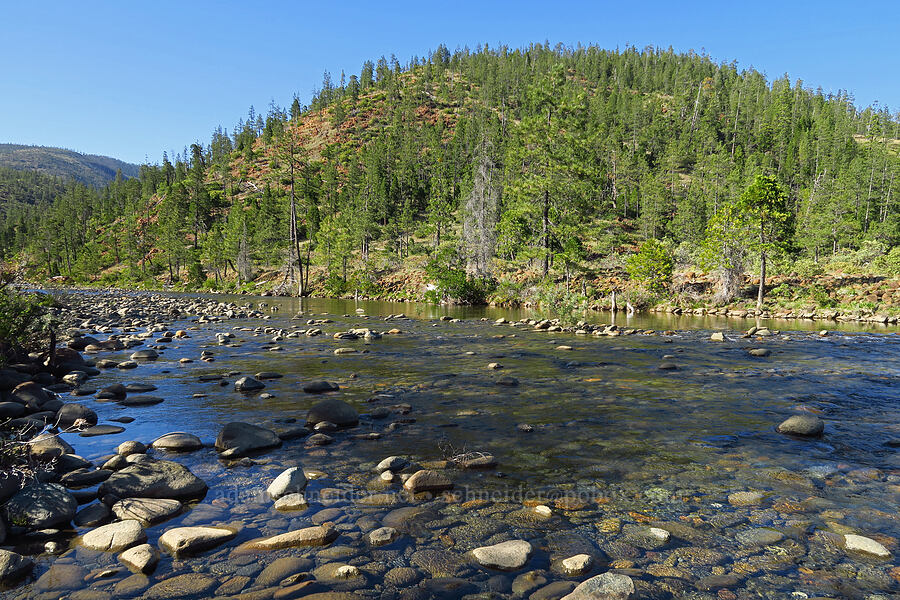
(131, 80)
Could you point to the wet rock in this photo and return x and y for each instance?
(394, 464)
(61, 577)
(508, 381)
(282, 568)
(402, 577)
(745, 498)
(40, 506)
(11, 410)
(319, 535)
(145, 354)
(154, 479)
(13, 567)
(84, 478)
(718, 336)
(291, 502)
(712, 583)
(98, 430)
(147, 510)
(553, 591)
(177, 441)
(182, 586)
(140, 559)
(115, 391)
(759, 537)
(439, 563)
(332, 410)
(290, 481)
(427, 480)
(478, 460)
(608, 586)
(141, 401)
(248, 384)
(319, 439)
(92, 515)
(508, 556)
(802, 425)
(191, 540)
(759, 352)
(238, 439)
(576, 565)
(130, 447)
(859, 543)
(320, 387)
(115, 536)
(75, 415)
(383, 536)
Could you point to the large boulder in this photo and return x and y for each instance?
(332, 410)
(48, 446)
(239, 439)
(154, 479)
(74, 414)
(40, 506)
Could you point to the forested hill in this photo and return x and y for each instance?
(524, 168)
(89, 169)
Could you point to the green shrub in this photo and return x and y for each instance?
(455, 285)
(651, 265)
(819, 295)
(889, 264)
(25, 323)
(562, 303)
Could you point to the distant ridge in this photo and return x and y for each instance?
(89, 169)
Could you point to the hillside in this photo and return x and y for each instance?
(518, 175)
(89, 169)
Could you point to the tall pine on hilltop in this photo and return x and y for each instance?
(549, 163)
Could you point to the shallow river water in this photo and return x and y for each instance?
(615, 446)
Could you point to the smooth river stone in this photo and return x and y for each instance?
(859, 543)
(177, 441)
(188, 585)
(427, 480)
(319, 535)
(153, 479)
(290, 481)
(802, 425)
(115, 536)
(191, 540)
(508, 556)
(147, 510)
(140, 559)
(608, 586)
(101, 430)
(141, 401)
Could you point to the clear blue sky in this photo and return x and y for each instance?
(131, 79)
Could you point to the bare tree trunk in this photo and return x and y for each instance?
(545, 234)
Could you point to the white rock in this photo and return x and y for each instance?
(291, 502)
(140, 559)
(347, 572)
(383, 536)
(543, 510)
(608, 586)
(575, 565)
(290, 481)
(858, 543)
(505, 555)
(660, 534)
(190, 540)
(115, 536)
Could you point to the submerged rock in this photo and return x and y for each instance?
(154, 479)
(332, 410)
(608, 586)
(191, 540)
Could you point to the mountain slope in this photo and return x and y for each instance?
(90, 169)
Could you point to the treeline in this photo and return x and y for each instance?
(557, 160)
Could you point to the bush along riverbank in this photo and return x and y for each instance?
(247, 515)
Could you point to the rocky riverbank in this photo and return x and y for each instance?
(246, 516)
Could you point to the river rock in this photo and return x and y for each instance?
(802, 425)
(859, 543)
(290, 481)
(291, 502)
(394, 464)
(188, 585)
(73, 413)
(248, 384)
(48, 446)
(319, 387)
(238, 439)
(383, 536)
(759, 537)
(40, 506)
(718, 336)
(130, 447)
(507, 556)
(759, 352)
(115, 536)
(92, 516)
(427, 480)
(61, 577)
(576, 565)
(11, 410)
(177, 441)
(147, 510)
(13, 567)
(140, 559)
(191, 540)
(320, 535)
(30, 394)
(745, 498)
(332, 410)
(98, 430)
(608, 586)
(115, 391)
(141, 400)
(154, 479)
(145, 354)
